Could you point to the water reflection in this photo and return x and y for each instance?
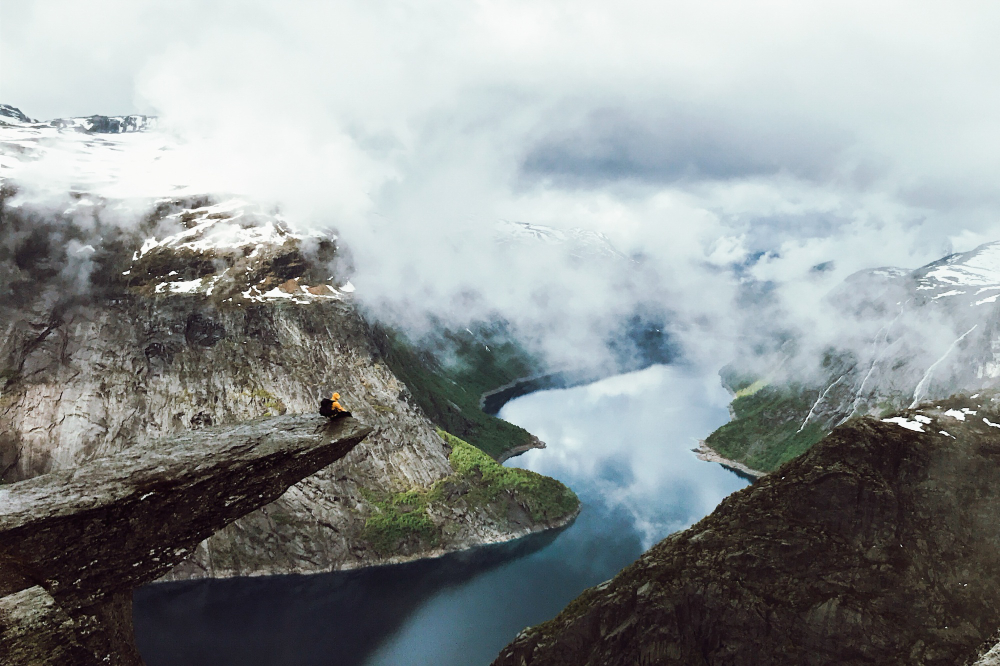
(622, 443)
(626, 442)
(336, 618)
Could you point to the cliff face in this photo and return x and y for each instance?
(229, 318)
(74, 544)
(880, 545)
(903, 337)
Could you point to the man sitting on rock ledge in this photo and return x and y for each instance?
(332, 409)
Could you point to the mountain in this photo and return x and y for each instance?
(878, 546)
(901, 337)
(203, 310)
(12, 116)
(580, 243)
(9, 113)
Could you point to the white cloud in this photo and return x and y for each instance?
(694, 135)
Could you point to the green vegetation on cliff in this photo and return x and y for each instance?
(449, 393)
(544, 498)
(399, 517)
(766, 429)
(509, 496)
(776, 420)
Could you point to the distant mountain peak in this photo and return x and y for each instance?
(8, 111)
(581, 242)
(97, 154)
(96, 124)
(106, 124)
(977, 268)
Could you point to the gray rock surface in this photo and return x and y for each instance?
(75, 543)
(137, 357)
(879, 546)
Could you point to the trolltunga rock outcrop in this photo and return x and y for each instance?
(881, 545)
(75, 543)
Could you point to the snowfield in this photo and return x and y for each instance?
(966, 274)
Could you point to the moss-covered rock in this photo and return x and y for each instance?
(512, 499)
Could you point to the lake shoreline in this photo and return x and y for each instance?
(706, 453)
(508, 538)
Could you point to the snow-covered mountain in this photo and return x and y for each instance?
(10, 115)
(950, 306)
(238, 237)
(580, 243)
(970, 278)
(108, 165)
(116, 157)
(899, 337)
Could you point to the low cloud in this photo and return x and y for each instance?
(725, 149)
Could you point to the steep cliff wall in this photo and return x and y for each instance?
(226, 319)
(897, 337)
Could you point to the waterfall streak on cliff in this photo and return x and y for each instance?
(822, 395)
(922, 384)
(877, 357)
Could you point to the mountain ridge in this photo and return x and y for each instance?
(908, 336)
(878, 545)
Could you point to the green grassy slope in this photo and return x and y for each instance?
(765, 430)
(449, 393)
(479, 485)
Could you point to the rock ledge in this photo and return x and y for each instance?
(75, 543)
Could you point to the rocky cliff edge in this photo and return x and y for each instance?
(75, 543)
(214, 314)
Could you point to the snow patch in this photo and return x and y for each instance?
(228, 225)
(903, 422)
(278, 293)
(953, 292)
(181, 287)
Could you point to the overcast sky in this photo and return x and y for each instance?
(694, 134)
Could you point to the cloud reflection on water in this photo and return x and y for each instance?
(626, 442)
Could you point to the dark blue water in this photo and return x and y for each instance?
(623, 444)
